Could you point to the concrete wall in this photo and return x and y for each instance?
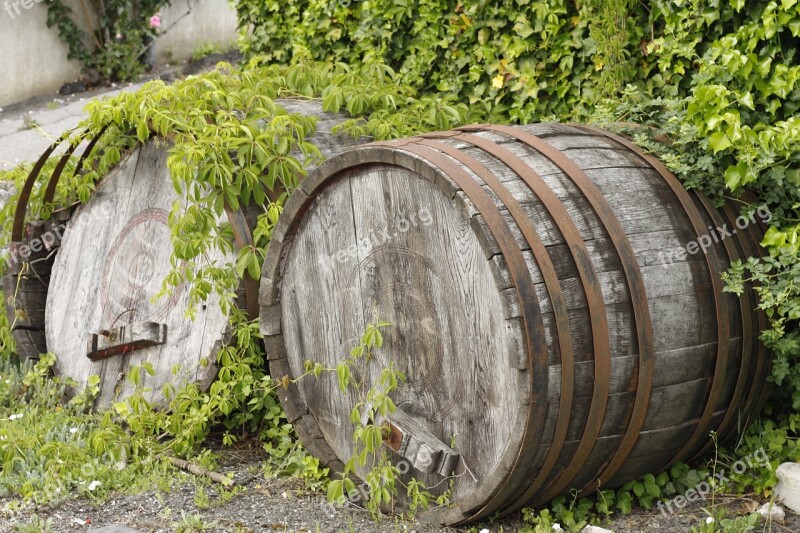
(33, 61)
(210, 22)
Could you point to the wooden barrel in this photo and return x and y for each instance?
(33, 247)
(552, 307)
(95, 310)
(25, 285)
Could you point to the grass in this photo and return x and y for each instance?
(51, 451)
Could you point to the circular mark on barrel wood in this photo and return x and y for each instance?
(134, 269)
(422, 331)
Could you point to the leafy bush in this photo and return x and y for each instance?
(720, 79)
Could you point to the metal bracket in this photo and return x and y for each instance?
(125, 339)
(420, 447)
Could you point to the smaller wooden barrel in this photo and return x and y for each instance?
(100, 315)
(32, 251)
(556, 305)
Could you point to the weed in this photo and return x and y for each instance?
(29, 123)
(206, 49)
(192, 524)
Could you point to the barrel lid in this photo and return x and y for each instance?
(386, 235)
(102, 316)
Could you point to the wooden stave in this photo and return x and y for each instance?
(23, 276)
(270, 298)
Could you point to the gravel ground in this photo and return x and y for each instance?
(283, 505)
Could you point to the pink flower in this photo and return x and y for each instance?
(155, 21)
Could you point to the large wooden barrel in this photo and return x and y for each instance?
(551, 304)
(95, 306)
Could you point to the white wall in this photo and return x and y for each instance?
(211, 21)
(33, 61)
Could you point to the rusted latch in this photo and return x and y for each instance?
(420, 447)
(125, 339)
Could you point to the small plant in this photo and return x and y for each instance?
(29, 123)
(120, 33)
(35, 525)
(206, 49)
(370, 460)
(192, 524)
(542, 522)
(719, 522)
(201, 499)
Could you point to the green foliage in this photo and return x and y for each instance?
(751, 467)
(206, 49)
(526, 60)
(777, 283)
(373, 405)
(119, 38)
(719, 522)
(50, 449)
(35, 525)
(190, 523)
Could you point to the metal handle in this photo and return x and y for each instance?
(125, 339)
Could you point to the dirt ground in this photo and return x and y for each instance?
(269, 505)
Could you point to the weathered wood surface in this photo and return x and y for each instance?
(29, 306)
(26, 283)
(459, 319)
(113, 259)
